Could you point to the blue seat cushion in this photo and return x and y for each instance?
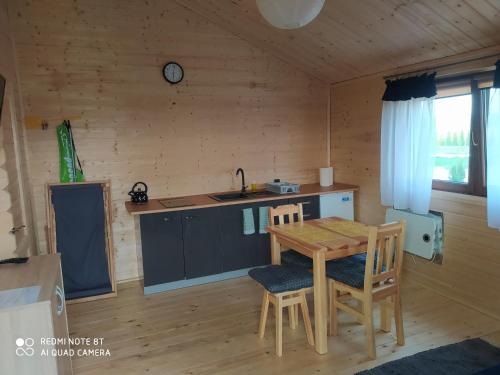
(358, 258)
(293, 258)
(282, 278)
(350, 270)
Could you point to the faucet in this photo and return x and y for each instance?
(243, 187)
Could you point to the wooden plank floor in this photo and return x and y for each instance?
(211, 329)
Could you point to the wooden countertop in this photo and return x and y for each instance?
(203, 200)
(42, 271)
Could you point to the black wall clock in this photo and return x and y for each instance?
(173, 72)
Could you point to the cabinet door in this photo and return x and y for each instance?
(162, 253)
(264, 240)
(201, 234)
(310, 206)
(240, 250)
(237, 248)
(60, 326)
(337, 204)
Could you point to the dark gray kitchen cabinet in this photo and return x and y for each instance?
(310, 206)
(162, 248)
(202, 245)
(240, 250)
(193, 243)
(264, 240)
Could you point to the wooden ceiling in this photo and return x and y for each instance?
(352, 38)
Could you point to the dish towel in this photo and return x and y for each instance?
(248, 223)
(263, 219)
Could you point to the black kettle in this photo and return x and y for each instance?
(138, 195)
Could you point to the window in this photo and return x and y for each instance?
(459, 159)
(451, 160)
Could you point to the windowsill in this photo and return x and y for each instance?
(448, 195)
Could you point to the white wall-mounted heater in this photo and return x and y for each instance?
(424, 233)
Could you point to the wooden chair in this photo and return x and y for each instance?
(285, 286)
(290, 257)
(287, 210)
(290, 212)
(379, 280)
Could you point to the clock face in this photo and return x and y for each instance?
(173, 72)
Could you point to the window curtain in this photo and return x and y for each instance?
(407, 142)
(493, 153)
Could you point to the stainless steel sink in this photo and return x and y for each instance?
(237, 196)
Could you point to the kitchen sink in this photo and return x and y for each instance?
(237, 196)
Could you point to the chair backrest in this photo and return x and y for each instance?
(384, 258)
(281, 212)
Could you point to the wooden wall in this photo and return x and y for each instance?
(99, 62)
(470, 269)
(14, 200)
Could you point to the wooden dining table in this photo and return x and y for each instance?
(321, 240)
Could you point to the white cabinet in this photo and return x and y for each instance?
(32, 312)
(337, 204)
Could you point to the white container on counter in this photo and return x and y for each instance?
(326, 176)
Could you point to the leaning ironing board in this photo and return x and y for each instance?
(321, 240)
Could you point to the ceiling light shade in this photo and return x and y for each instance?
(289, 14)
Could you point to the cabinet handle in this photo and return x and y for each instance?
(306, 215)
(188, 218)
(60, 300)
(306, 202)
(165, 219)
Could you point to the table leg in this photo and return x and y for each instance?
(275, 250)
(320, 302)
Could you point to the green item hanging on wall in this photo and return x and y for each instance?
(69, 171)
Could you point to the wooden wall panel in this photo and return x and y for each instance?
(15, 208)
(350, 38)
(100, 62)
(469, 272)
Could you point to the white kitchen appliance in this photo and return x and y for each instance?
(424, 233)
(337, 204)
